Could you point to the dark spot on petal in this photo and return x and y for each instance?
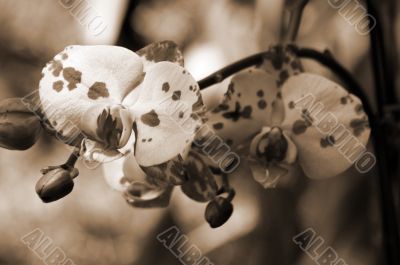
(150, 139)
(150, 119)
(327, 141)
(283, 76)
(229, 142)
(218, 126)
(64, 56)
(238, 94)
(220, 108)
(295, 65)
(343, 100)
(143, 140)
(262, 104)
(276, 57)
(247, 112)
(190, 88)
(307, 116)
(299, 127)
(165, 87)
(162, 51)
(58, 85)
(98, 89)
(359, 109)
(231, 88)
(56, 67)
(279, 95)
(358, 125)
(260, 93)
(72, 76)
(181, 114)
(291, 105)
(176, 95)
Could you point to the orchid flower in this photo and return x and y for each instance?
(141, 109)
(111, 95)
(284, 119)
(151, 186)
(146, 164)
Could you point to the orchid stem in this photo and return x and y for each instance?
(292, 14)
(231, 69)
(324, 58)
(72, 158)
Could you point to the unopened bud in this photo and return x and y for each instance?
(218, 211)
(55, 183)
(19, 127)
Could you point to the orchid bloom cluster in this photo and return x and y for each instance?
(143, 117)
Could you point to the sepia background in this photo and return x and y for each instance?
(94, 225)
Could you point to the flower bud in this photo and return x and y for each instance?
(218, 211)
(19, 127)
(55, 183)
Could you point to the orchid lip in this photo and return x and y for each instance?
(273, 145)
(114, 126)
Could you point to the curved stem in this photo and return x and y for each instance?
(324, 58)
(231, 69)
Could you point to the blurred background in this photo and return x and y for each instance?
(94, 225)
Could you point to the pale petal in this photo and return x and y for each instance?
(246, 107)
(81, 76)
(167, 113)
(327, 124)
(114, 174)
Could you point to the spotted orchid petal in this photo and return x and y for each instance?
(281, 63)
(169, 173)
(167, 113)
(247, 105)
(201, 185)
(327, 124)
(82, 88)
(155, 53)
(160, 51)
